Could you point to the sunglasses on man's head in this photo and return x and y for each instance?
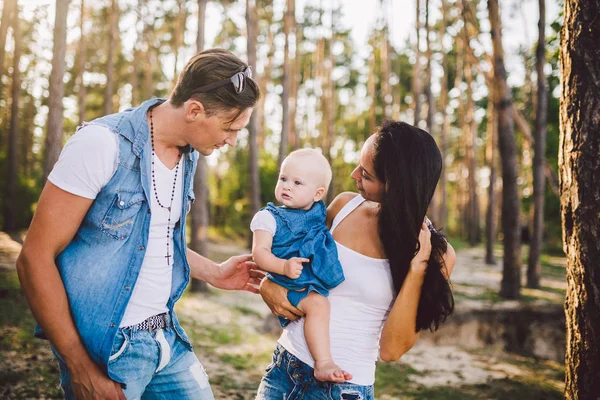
(238, 79)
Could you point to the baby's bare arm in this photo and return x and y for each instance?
(262, 255)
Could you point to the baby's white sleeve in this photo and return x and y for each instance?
(264, 221)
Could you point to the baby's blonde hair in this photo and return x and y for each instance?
(319, 160)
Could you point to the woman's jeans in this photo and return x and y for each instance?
(289, 378)
(153, 365)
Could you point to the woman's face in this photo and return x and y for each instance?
(367, 183)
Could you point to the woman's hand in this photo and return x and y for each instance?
(275, 297)
(419, 263)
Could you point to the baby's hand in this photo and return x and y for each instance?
(292, 268)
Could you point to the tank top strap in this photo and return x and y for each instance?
(346, 210)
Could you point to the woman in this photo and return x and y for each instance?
(396, 267)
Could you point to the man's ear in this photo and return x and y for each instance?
(194, 110)
(319, 195)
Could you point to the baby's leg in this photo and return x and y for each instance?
(316, 332)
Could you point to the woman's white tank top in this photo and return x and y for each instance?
(359, 308)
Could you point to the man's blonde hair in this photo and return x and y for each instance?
(319, 161)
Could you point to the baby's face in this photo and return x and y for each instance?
(300, 183)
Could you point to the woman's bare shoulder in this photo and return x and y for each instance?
(337, 204)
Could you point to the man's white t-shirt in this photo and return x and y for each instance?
(86, 164)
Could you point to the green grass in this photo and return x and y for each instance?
(27, 370)
(394, 380)
(247, 311)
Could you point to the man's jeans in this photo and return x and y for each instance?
(153, 365)
(289, 378)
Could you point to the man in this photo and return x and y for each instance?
(105, 258)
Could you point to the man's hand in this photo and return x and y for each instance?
(275, 297)
(93, 384)
(238, 273)
(292, 268)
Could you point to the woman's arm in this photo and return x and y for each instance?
(399, 332)
(275, 297)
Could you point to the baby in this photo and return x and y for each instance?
(292, 243)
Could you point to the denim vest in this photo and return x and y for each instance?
(303, 233)
(100, 266)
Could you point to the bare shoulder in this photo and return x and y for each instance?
(337, 204)
(449, 260)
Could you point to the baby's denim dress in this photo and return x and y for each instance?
(303, 233)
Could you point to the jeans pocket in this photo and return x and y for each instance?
(120, 217)
(345, 391)
(274, 360)
(120, 345)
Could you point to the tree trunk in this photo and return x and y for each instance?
(179, 39)
(442, 216)
(330, 106)
(295, 136)
(579, 166)
(433, 206)
(386, 66)
(253, 128)
(110, 62)
(135, 77)
(534, 268)
(285, 82)
(470, 133)
(54, 136)
(417, 85)
(200, 214)
(371, 90)
(491, 222)
(7, 15)
(10, 200)
(511, 275)
(81, 58)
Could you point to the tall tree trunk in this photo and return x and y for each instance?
(10, 200)
(285, 82)
(110, 62)
(511, 275)
(386, 64)
(534, 268)
(54, 136)
(295, 82)
(417, 85)
(135, 77)
(81, 63)
(470, 131)
(372, 93)
(200, 214)
(253, 128)
(579, 166)
(442, 216)
(179, 39)
(433, 206)
(7, 15)
(148, 30)
(330, 106)
(491, 225)
(429, 95)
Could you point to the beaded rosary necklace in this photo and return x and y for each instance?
(168, 256)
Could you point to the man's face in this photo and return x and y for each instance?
(217, 131)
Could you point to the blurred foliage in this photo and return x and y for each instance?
(144, 67)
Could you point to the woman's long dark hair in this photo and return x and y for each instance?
(408, 162)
